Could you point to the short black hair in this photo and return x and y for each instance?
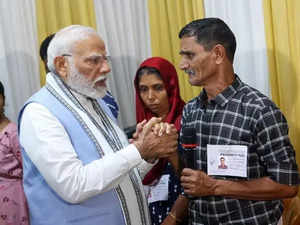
(210, 32)
(1, 89)
(44, 46)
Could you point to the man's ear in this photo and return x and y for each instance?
(220, 53)
(61, 66)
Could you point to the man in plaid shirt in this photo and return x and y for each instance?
(229, 112)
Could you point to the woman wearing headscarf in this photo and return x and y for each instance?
(157, 94)
(13, 207)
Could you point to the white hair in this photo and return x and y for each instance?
(64, 41)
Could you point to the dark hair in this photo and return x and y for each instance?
(147, 70)
(209, 32)
(44, 46)
(1, 89)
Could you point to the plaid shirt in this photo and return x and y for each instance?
(241, 115)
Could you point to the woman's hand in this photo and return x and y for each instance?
(138, 130)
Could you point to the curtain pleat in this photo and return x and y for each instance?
(53, 15)
(250, 60)
(166, 19)
(283, 35)
(123, 25)
(19, 70)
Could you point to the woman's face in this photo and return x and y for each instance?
(154, 94)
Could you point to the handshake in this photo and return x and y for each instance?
(155, 139)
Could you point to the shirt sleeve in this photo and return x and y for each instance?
(48, 145)
(145, 167)
(275, 148)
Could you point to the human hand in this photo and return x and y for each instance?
(197, 183)
(138, 130)
(152, 146)
(163, 128)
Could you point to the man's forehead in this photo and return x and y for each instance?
(189, 45)
(91, 39)
(93, 45)
(185, 42)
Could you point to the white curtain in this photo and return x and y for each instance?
(124, 27)
(246, 20)
(19, 70)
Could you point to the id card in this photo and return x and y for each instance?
(227, 160)
(160, 191)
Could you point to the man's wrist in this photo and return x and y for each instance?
(139, 146)
(219, 187)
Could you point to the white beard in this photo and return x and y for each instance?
(81, 84)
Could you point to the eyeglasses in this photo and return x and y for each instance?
(95, 59)
(66, 55)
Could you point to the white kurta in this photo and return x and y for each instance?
(60, 166)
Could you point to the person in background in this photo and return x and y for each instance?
(13, 206)
(157, 94)
(43, 50)
(79, 168)
(108, 99)
(111, 104)
(233, 118)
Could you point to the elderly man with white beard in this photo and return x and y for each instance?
(79, 168)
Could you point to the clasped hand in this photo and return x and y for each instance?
(155, 139)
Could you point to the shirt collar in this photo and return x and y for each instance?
(223, 97)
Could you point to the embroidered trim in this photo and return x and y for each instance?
(76, 115)
(118, 189)
(139, 195)
(122, 199)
